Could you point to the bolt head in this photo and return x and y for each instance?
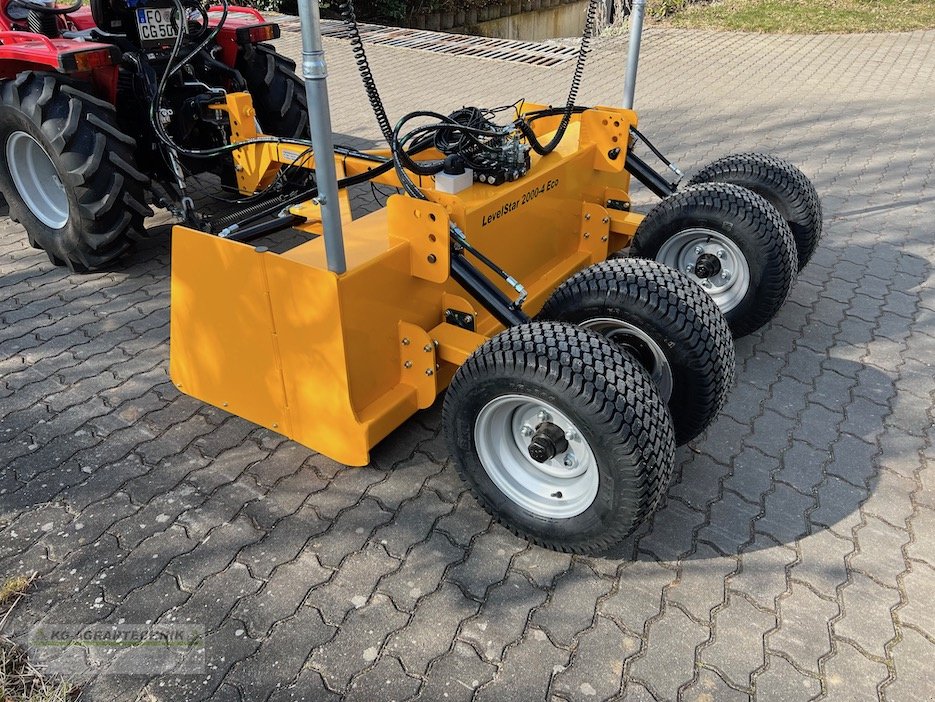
(468, 319)
(542, 416)
(408, 364)
(587, 215)
(569, 460)
(406, 341)
(427, 348)
(726, 275)
(572, 435)
(429, 371)
(699, 250)
(689, 268)
(526, 430)
(721, 253)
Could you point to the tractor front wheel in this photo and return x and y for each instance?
(730, 241)
(561, 436)
(67, 172)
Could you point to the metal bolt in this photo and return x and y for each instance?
(429, 371)
(405, 341)
(721, 253)
(427, 348)
(572, 435)
(432, 258)
(569, 460)
(468, 319)
(605, 220)
(726, 275)
(587, 215)
(689, 268)
(543, 416)
(526, 430)
(699, 250)
(604, 238)
(587, 236)
(408, 364)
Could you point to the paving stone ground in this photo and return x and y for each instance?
(794, 558)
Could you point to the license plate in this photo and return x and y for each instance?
(155, 25)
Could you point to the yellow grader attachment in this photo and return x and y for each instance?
(338, 361)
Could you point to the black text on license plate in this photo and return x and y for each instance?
(155, 24)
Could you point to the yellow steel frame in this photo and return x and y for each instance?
(337, 362)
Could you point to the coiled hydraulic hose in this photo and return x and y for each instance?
(576, 77)
(363, 67)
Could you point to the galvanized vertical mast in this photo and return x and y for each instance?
(315, 73)
(637, 13)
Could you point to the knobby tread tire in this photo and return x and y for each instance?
(613, 403)
(748, 220)
(783, 185)
(676, 313)
(278, 93)
(95, 160)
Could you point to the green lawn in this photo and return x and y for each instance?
(808, 16)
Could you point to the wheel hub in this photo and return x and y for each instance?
(547, 442)
(711, 259)
(707, 266)
(536, 455)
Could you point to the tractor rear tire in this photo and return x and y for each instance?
(608, 436)
(665, 321)
(278, 93)
(67, 171)
(783, 185)
(732, 242)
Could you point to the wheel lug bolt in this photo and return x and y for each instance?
(721, 253)
(726, 275)
(543, 416)
(699, 250)
(526, 430)
(571, 436)
(689, 268)
(569, 460)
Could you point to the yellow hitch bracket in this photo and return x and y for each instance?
(595, 231)
(425, 225)
(456, 344)
(417, 359)
(609, 131)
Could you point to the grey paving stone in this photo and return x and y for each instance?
(282, 595)
(351, 586)
(487, 561)
(503, 616)
(280, 656)
(912, 657)
(348, 532)
(358, 642)
(848, 675)
(803, 633)
(596, 670)
(428, 634)
(879, 550)
(737, 648)
(210, 604)
(456, 675)
(872, 628)
(283, 541)
(918, 586)
(420, 572)
(214, 552)
(667, 659)
(527, 670)
(639, 595)
(572, 607)
(466, 521)
(762, 574)
(385, 681)
(412, 523)
(709, 686)
(308, 687)
(783, 683)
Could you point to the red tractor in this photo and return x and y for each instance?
(91, 95)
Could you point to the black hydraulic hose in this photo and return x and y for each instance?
(576, 77)
(363, 67)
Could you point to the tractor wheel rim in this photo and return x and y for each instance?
(641, 346)
(732, 281)
(37, 180)
(562, 487)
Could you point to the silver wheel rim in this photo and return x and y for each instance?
(641, 346)
(560, 488)
(36, 180)
(730, 285)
